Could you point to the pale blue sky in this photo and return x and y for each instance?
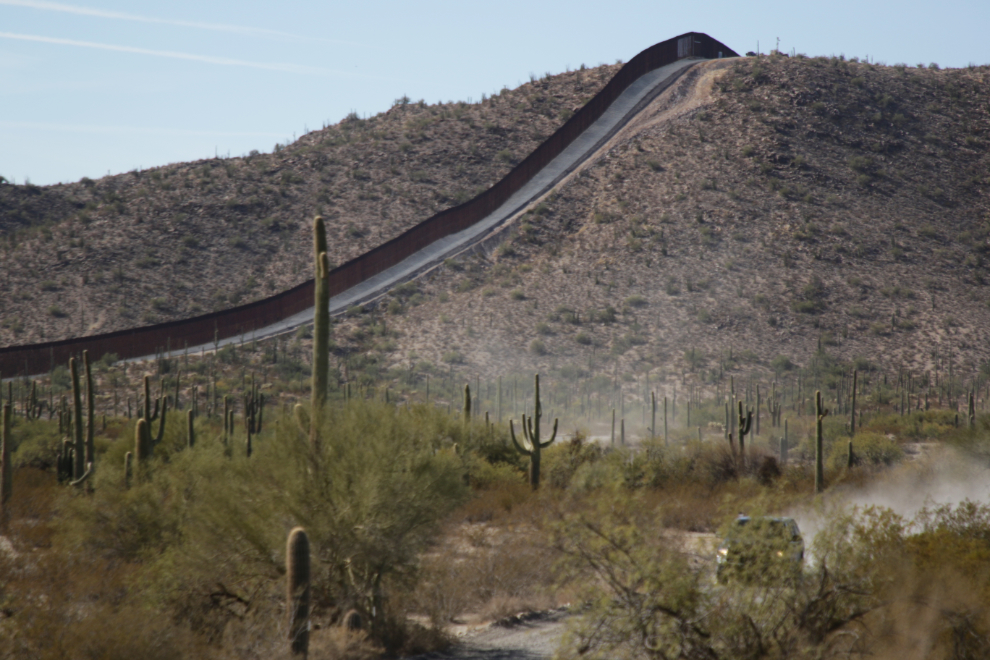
(91, 86)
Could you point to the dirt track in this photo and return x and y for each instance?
(535, 637)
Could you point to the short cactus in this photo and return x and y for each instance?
(142, 445)
(297, 591)
(531, 433)
(64, 462)
(32, 407)
(128, 468)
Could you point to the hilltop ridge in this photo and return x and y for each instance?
(761, 208)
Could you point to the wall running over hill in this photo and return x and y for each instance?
(240, 321)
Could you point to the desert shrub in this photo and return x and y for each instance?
(872, 449)
(36, 443)
(866, 567)
(208, 525)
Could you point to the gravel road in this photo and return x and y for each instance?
(534, 638)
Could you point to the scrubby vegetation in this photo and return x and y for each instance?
(415, 501)
(416, 517)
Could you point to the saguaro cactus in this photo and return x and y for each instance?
(531, 433)
(79, 446)
(90, 421)
(773, 406)
(142, 445)
(820, 413)
(321, 329)
(972, 410)
(190, 432)
(297, 591)
(745, 426)
(32, 406)
(653, 415)
(852, 412)
(467, 404)
(128, 469)
(64, 462)
(149, 414)
(226, 419)
(254, 405)
(6, 469)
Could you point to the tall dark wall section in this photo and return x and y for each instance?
(136, 342)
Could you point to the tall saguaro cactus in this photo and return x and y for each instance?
(852, 412)
(531, 433)
(820, 413)
(467, 404)
(90, 421)
(79, 446)
(321, 329)
(6, 469)
(297, 591)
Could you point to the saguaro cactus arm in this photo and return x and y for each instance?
(553, 436)
(512, 432)
(149, 414)
(86, 475)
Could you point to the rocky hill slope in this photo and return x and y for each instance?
(763, 209)
(756, 212)
(184, 239)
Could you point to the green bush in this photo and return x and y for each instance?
(872, 449)
(371, 499)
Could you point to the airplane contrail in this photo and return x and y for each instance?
(116, 15)
(224, 61)
(150, 130)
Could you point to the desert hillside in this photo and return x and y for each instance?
(757, 211)
(761, 210)
(189, 238)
